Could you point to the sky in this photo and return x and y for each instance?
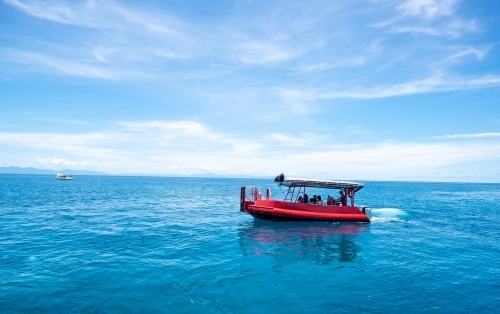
(366, 90)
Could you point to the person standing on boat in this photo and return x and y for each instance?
(342, 199)
(306, 198)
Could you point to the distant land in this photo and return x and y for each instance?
(31, 170)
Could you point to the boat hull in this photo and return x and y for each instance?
(287, 211)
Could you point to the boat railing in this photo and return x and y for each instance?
(249, 194)
(296, 190)
(253, 194)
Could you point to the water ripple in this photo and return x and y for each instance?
(180, 245)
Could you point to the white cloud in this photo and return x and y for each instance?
(264, 52)
(190, 134)
(107, 15)
(68, 66)
(136, 43)
(128, 140)
(386, 160)
(45, 10)
(428, 8)
(435, 83)
(198, 168)
(138, 147)
(292, 140)
(62, 162)
(323, 66)
(175, 128)
(479, 52)
(389, 159)
(146, 35)
(80, 144)
(472, 135)
(431, 17)
(429, 30)
(453, 29)
(459, 25)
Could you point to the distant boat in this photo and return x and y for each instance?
(61, 176)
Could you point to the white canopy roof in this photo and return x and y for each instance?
(326, 184)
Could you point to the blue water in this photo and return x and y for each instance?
(181, 245)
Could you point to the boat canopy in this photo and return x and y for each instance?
(325, 184)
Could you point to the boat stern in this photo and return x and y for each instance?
(248, 196)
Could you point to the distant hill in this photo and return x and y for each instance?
(31, 170)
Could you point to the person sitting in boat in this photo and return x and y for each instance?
(319, 201)
(342, 200)
(313, 200)
(300, 200)
(306, 198)
(330, 201)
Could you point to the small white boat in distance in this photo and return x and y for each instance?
(61, 176)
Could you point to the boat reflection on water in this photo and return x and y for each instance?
(288, 242)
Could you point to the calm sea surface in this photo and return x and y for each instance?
(181, 245)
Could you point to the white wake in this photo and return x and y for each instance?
(387, 214)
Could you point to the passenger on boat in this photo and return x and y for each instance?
(300, 200)
(319, 201)
(306, 198)
(342, 199)
(313, 200)
(330, 201)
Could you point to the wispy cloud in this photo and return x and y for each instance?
(436, 83)
(198, 168)
(62, 162)
(80, 144)
(428, 8)
(430, 17)
(71, 67)
(322, 66)
(103, 15)
(453, 29)
(49, 11)
(478, 52)
(134, 42)
(264, 52)
(471, 135)
(188, 133)
(300, 140)
(279, 58)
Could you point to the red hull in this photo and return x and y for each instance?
(280, 210)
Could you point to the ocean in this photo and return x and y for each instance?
(105, 244)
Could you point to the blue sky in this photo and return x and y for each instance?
(375, 90)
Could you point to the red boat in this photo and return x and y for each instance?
(296, 205)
